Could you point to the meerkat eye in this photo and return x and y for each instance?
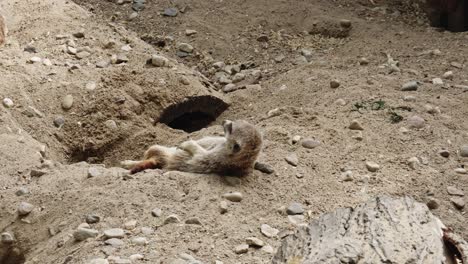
(236, 147)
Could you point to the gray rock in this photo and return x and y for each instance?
(185, 47)
(268, 231)
(255, 242)
(296, 219)
(114, 242)
(22, 191)
(59, 121)
(335, 84)
(92, 218)
(156, 212)
(307, 54)
(459, 202)
(136, 257)
(172, 219)
(103, 64)
(263, 167)
(238, 77)
(416, 122)
(190, 32)
(410, 86)
(67, 102)
(111, 124)
(464, 151)
(147, 230)
(193, 221)
(6, 238)
(241, 249)
(372, 166)
(454, 191)
(223, 207)
(444, 153)
(230, 87)
(233, 196)
(310, 143)
(130, 225)
(171, 12)
(84, 233)
(345, 23)
(25, 208)
(114, 233)
(292, 159)
(138, 5)
(295, 209)
(355, 125)
(94, 172)
(139, 241)
(182, 54)
(132, 16)
(82, 54)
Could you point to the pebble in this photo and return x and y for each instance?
(71, 50)
(233, 196)
(296, 219)
(136, 257)
(102, 64)
(410, 86)
(223, 207)
(358, 135)
(268, 249)
(416, 122)
(340, 101)
(37, 173)
(456, 65)
(90, 86)
(83, 54)
(464, 151)
(147, 230)
(433, 203)
(363, 61)
(132, 16)
(67, 102)
(292, 159)
(263, 167)
(238, 77)
(255, 242)
(47, 62)
(347, 175)
(79, 34)
(121, 58)
(372, 166)
(171, 12)
(35, 60)
(139, 241)
(307, 54)
(111, 124)
(437, 81)
(184, 47)
(262, 38)
(193, 221)
(93, 172)
(130, 225)
(409, 98)
(241, 249)
(413, 163)
(219, 65)
(84, 233)
(444, 153)
(461, 171)
(25, 208)
(8, 103)
(98, 261)
(6, 238)
(448, 75)
(279, 58)
(114, 233)
(296, 139)
(156, 212)
(114, 242)
(230, 87)
(334, 84)
(92, 218)
(459, 202)
(355, 125)
(159, 61)
(190, 32)
(172, 219)
(268, 231)
(454, 191)
(310, 143)
(22, 191)
(345, 23)
(295, 209)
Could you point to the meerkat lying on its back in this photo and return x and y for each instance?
(233, 154)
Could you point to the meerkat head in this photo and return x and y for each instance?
(242, 139)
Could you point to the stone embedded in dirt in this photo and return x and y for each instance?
(357, 134)
(433, 203)
(139, 241)
(156, 212)
(347, 176)
(22, 191)
(102, 64)
(136, 257)
(223, 207)
(159, 61)
(335, 84)
(185, 47)
(437, 81)
(345, 23)
(8, 103)
(130, 225)
(111, 124)
(132, 16)
(82, 54)
(171, 12)
(79, 34)
(307, 54)
(35, 60)
(459, 202)
(292, 159)
(363, 61)
(444, 153)
(190, 32)
(94, 172)
(416, 122)
(310, 143)
(6, 238)
(114, 233)
(263, 38)
(90, 86)
(296, 219)
(25, 208)
(30, 49)
(114, 242)
(67, 102)
(241, 249)
(448, 75)
(457, 65)
(46, 62)
(193, 221)
(263, 167)
(138, 5)
(295, 139)
(372, 166)
(36, 173)
(71, 50)
(280, 58)
(121, 58)
(355, 125)
(92, 218)
(454, 191)
(147, 230)
(295, 209)
(340, 101)
(255, 242)
(461, 171)
(233, 196)
(410, 86)
(238, 77)
(268, 231)
(98, 261)
(82, 234)
(230, 87)
(413, 162)
(268, 249)
(172, 219)
(219, 65)
(409, 98)
(464, 151)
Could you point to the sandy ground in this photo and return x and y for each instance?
(293, 98)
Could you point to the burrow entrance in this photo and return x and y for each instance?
(193, 114)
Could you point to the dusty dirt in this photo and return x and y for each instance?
(293, 97)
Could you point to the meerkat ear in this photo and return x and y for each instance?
(227, 124)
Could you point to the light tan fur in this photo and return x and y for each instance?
(233, 154)
(3, 30)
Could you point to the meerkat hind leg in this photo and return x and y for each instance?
(192, 147)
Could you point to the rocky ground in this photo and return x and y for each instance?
(354, 99)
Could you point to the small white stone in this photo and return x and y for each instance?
(437, 81)
(241, 249)
(448, 75)
(114, 233)
(233, 196)
(253, 241)
(461, 171)
(268, 231)
(372, 166)
(136, 257)
(139, 241)
(47, 62)
(413, 163)
(8, 103)
(159, 61)
(25, 208)
(90, 86)
(130, 225)
(35, 60)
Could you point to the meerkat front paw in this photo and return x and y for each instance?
(190, 146)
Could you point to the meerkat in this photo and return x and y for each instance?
(3, 30)
(233, 154)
